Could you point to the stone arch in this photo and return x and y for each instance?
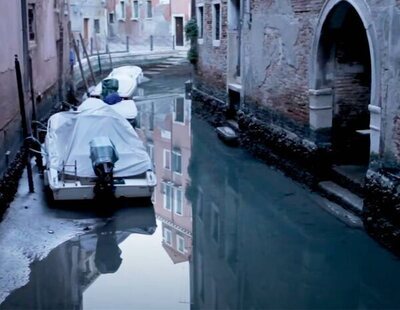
(321, 98)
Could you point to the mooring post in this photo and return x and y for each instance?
(127, 44)
(151, 42)
(91, 46)
(99, 61)
(173, 42)
(111, 63)
(24, 122)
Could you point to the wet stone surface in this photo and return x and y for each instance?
(223, 230)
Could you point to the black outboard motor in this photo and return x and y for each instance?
(103, 155)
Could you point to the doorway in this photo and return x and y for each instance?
(179, 31)
(86, 30)
(344, 66)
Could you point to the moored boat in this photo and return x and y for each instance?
(95, 152)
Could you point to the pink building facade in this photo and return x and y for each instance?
(163, 20)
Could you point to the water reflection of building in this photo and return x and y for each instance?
(165, 123)
(256, 245)
(59, 281)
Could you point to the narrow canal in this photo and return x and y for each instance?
(224, 231)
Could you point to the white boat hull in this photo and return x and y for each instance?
(75, 190)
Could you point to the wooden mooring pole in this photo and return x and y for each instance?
(88, 59)
(24, 122)
(79, 62)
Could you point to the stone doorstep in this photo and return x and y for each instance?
(342, 196)
(351, 177)
(339, 212)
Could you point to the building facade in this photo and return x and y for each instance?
(39, 29)
(162, 21)
(114, 23)
(89, 18)
(314, 81)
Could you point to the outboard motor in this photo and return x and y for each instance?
(103, 155)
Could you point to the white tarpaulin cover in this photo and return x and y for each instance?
(127, 108)
(69, 134)
(134, 72)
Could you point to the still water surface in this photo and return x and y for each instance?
(224, 231)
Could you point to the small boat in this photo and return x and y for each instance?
(127, 78)
(94, 153)
(228, 135)
(134, 72)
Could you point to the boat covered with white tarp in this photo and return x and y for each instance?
(95, 149)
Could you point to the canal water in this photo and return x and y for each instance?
(223, 231)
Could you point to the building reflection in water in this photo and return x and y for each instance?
(58, 282)
(260, 241)
(165, 126)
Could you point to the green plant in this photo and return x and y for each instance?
(191, 29)
(193, 55)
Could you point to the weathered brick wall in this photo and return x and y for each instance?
(277, 40)
(212, 65)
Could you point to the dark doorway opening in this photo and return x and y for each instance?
(234, 103)
(345, 67)
(179, 31)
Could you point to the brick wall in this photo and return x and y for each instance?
(212, 65)
(277, 40)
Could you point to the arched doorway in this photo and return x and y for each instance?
(344, 81)
(344, 66)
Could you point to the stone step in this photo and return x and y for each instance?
(342, 196)
(148, 72)
(162, 66)
(350, 176)
(347, 217)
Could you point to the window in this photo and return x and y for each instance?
(177, 162)
(31, 22)
(150, 151)
(167, 236)
(178, 201)
(122, 9)
(216, 21)
(168, 196)
(180, 244)
(215, 223)
(111, 18)
(167, 159)
(200, 21)
(165, 134)
(149, 9)
(135, 9)
(97, 26)
(179, 110)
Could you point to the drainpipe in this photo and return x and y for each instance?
(25, 43)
